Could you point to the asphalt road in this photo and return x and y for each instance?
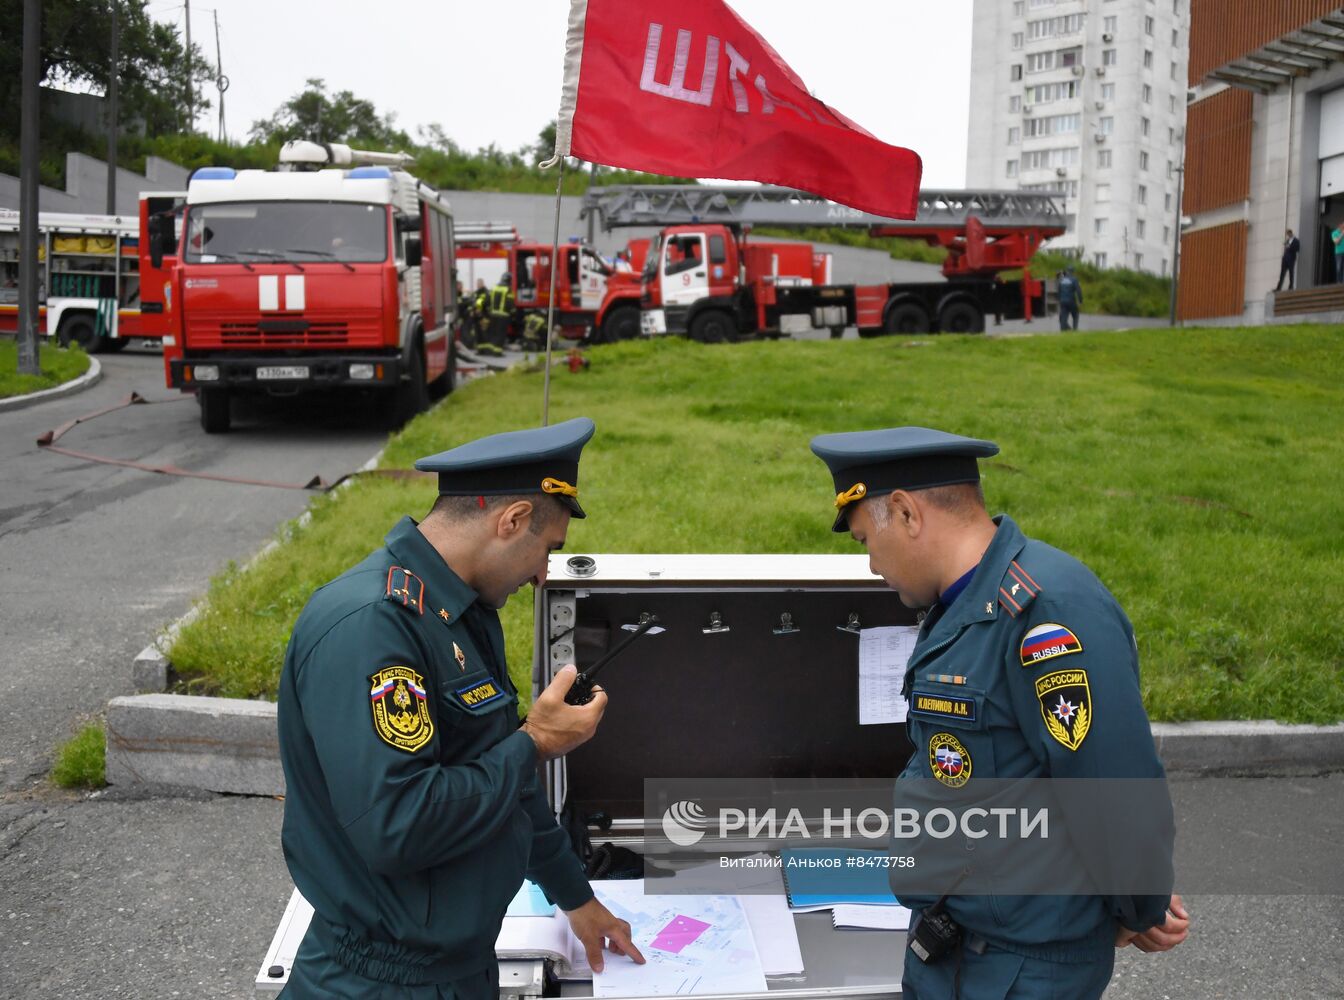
(156, 893)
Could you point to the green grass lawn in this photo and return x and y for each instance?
(1200, 473)
(58, 365)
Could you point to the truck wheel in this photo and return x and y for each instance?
(214, 410)
(961, 317)
(906, 317)
(620, 324)
(411, 396)
(712, 327)
(79, 329)
(447, 380)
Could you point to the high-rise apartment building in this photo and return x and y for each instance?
(1265, 155)
(1085, 99)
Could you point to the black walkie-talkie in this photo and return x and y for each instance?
(581, 693)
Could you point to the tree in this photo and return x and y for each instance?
(341, 117)
(76, 50)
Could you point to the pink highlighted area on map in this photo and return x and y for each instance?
(680, 931)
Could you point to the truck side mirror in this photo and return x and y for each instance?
(414, 253)
(408, 223)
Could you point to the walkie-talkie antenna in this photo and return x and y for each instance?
(581, 693)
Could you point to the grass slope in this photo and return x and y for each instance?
(58, 365)
(1198, 472)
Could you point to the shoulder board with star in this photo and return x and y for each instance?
(1017, 590)
(406, 589)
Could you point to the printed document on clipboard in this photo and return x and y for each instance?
(883, 655)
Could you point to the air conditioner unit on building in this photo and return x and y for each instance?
(1101, 71)
(1078, 71)
(1101, 105)
(1027, 109)
(1061, 172)
(1108, 37)
(1100, 137)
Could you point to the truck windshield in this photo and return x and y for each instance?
(282, 230)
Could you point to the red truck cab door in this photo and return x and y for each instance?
(160, 232)
(684, 268)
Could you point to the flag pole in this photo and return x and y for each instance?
(550, 301)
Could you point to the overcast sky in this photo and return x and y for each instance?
(490, 71)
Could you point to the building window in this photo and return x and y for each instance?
(1143, 194)
(1173, 71)
(1103, 192)
(1171, 103)
(1142, 229)
(1171, 141)
(1108, 91)
(1100, 226)
(1108, 57)
(1015, 104)
(1165, 264)
(1145, 127)
(1167, 203)
(1108, 24)
(1017, 39)
(1166, 238)
(1147, 94)
(1148, 25)
(1015, 72)
(1045, 93)
(1147, 59)
(1014, 135)
(1171, 170)
(1054, 125)
(1138, 262)
(1099, 259)
(1039, 159)
(1012, 168)
(1175, 38)
(1106, 124)
(1104, 159)
(1053, 27)
(1143, 160)
(1019, 8)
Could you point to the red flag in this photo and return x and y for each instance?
(690, 89)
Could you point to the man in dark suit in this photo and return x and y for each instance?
(1288, 268)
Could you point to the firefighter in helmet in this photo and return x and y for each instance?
(501, 317)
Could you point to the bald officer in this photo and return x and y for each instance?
(413, 809)
(1025, 667)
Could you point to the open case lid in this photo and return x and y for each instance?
(732, 688)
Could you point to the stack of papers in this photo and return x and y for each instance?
(847, 916)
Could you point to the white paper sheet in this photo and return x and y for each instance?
(883, 654)
(854, 915)
(692, 944)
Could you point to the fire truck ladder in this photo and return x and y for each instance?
(676, 204)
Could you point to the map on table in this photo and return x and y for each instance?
(691, 944)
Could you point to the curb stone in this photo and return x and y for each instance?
(85, 381)
(232, 745)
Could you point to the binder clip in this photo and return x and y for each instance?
(852, 625)
(715, 625)
(786, 625)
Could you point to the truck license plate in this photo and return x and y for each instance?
(282, 371)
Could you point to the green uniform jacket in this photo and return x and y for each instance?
(981, 682)
(413, 808)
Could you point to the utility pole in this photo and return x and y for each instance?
(113, 77)
(1176, 250)
(221, 81)
(191, 105)
(28, 177)
(592, 216)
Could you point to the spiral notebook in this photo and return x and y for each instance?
(820, 878)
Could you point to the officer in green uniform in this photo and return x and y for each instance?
(1025, 667)
(413, 809)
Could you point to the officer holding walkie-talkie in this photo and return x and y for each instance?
(1025, 668)
(413, 808)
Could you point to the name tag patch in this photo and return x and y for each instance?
(943, 706)
(1045, 642)
(475, 695)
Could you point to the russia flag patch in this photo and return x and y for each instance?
(1045, 642)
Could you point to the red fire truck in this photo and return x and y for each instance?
(705, 277)
(592, 297)
(92, 288)
(305, 278)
